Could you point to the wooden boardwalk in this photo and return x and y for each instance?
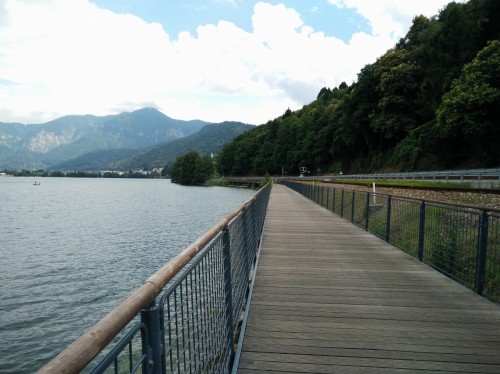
(331, 298)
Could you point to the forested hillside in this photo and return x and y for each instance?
(431, 102)
(210, 139)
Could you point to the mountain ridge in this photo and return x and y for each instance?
(210, 139)
(39, 146)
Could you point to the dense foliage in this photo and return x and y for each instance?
(431, 102)
(192, 169)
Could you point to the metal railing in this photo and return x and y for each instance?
(444, 175)
(460, 241)
(192, 326)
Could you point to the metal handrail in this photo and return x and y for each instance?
(447, 175)
(83, 350)
(464, 175)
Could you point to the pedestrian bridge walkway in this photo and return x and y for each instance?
(330, 297)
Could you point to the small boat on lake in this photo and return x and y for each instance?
(36, 184)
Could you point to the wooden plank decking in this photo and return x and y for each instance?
(331, 298)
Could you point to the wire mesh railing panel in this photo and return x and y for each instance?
(377, 211)
(241, 262)
(405, 225)
(337, 201)
(359, 211)
(199, 322)
(329, 198)
(126, 356)
(316, 191)
(324, 196)
(451, 242)
(194, 317)
(492, 268)
(347, 204)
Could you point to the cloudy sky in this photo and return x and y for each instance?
(213, 60)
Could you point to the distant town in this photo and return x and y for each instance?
(154, 173)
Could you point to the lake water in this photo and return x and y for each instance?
(72, 249)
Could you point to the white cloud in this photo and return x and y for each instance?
(392, 18)
(71, 57)
(299, 61)
(62, 57)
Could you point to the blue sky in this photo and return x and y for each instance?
(177, 15)
(213, 60)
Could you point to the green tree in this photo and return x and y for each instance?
(468, 114)
(191, 169)
(267, 179)
(398, 81)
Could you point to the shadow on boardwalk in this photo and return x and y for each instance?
(332, 298)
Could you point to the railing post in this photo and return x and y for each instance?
(421, 232)
(481, 253)
(367, 210)
(327, 196)
(388, 225)
(333, 197)
(342, 204)
(352, 206)
(152, 348)
(228, 285)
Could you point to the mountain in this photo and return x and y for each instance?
(51, 143)
(24, 146)
(210, 139)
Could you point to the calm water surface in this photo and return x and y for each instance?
(72, 249)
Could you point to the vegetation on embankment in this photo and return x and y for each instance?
(404, 183)
(429, 103)
(218, 182)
